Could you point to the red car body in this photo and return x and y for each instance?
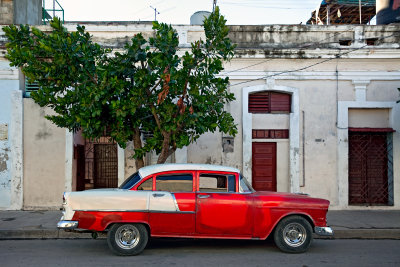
(216, 203)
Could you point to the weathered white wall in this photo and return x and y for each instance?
(44, 159)
(323, 164)
(369, 118)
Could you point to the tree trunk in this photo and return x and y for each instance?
(137, 143)
(165, 151)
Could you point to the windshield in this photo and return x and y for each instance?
(245, 186)
(130, 181)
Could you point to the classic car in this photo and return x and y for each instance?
(193, 201)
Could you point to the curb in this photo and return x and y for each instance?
(367, 234)
(61, 234)
(41, 234)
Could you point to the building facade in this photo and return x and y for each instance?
(315, 107)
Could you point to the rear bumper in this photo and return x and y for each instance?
(67, 224)
(323, 231)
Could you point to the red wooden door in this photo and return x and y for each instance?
(368, 168)
(264, 166)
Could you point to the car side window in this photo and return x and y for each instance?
(146, 185)
(217, 183)
(175, 183)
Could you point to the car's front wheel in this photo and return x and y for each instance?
(127, 239)
(293, 234)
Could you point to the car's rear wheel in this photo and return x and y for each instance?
(293, 234)
(127, 239)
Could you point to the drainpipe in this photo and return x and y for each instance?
(327, 15)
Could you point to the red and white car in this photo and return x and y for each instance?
(194, 201)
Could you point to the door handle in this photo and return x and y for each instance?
(204, 196)
(158, 195)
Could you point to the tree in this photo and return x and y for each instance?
(148, 88)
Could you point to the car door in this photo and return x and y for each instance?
(220, 209)
(181, 220)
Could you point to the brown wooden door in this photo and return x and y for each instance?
(264, 166)
(368, 168)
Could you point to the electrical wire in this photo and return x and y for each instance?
(252, 65)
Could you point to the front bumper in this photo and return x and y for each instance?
(67, 224)
(323, 231)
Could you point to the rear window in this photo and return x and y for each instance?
(175, 183)
(130, 181)
(146, 185)
(217, 183)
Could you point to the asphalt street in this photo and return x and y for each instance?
(185, 252)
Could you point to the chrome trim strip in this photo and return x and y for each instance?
(161, 211)
(156, 211)
(67, 224)
(176, 203)
(213, 192)
(324, 231)
(113, 210)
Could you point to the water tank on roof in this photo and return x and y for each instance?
(198, 17)
(387, 11)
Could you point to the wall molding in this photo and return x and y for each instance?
(343, 144)
(294, 132)
(317, 75)
(9, 74)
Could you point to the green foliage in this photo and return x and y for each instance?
(147, 88)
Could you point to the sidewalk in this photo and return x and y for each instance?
(346, 224)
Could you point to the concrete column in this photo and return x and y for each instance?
(69, 147)
(361, 89)
(121, 165)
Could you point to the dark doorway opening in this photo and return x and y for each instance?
(97, 164)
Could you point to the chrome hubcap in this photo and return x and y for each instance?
(294, 234)
(127, 236)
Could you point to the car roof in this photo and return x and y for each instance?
(152, 169)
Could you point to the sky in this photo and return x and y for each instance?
(237, 12)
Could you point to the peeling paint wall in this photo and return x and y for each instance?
(5, 162)
(9, 85)
(6, 12)
(44, 159)
(21, 12)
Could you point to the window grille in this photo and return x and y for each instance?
(370, 168)
(30, 87)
